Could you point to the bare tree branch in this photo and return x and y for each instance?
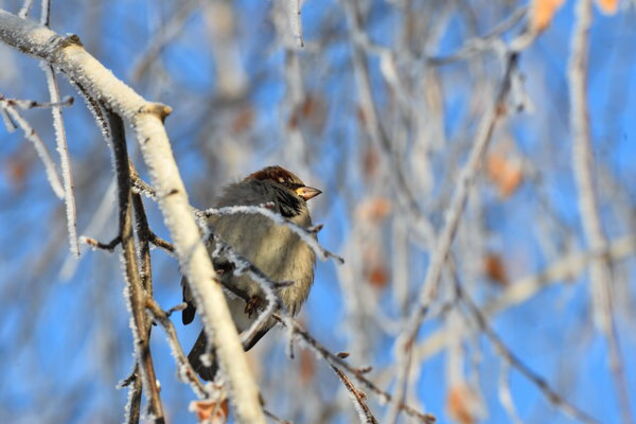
(67, 54)
(583, 164)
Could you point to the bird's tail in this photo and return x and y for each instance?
(205, 372)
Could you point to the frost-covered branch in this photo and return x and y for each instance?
(38, 144)
(33, 104)
(135, 388)
(68, 55)
(297, 331)
(359, 399)
(136, 295)
(306, 235)
(26, 7)
(601, 279)
(65, 161)
(467, 176)
(185, 371)
(61, 141)
(334, 359)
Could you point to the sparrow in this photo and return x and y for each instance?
(274, 249)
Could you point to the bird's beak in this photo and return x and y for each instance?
(307, 193)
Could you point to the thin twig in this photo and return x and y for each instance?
(110, 246)
(467, 176)
(562, 270)
(505, 397)
(333, 359)
(305, 235)
(133, 407)
(24, 10)
(186, 373)
(45, 13)
(275, 418)
(359, 399)
(33, 104)
(168, 32)
(541, 383)
(40, 148)
(601, 278)
(65, 161)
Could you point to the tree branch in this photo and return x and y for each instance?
(68, 55)
(134, 287)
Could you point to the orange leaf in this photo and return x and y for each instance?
(378, 276)
(462, 404)
(607, 6)
(507, 174)
(542, 12)
(210, 411)
(375, 209)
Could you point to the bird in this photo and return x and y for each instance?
(274, 249)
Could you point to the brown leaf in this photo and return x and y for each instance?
(507, 174)
(608, 7)
(361, 115)
(378, 276)
(307, 365)
(495, 269)
(314, 110)
(370, 162)
(311, 111)
(17, 171)
(18, 166)
(542, 12)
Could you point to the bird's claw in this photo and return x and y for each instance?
(253, 305)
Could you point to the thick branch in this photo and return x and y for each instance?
(68, 55)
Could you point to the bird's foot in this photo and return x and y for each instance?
(253, 305)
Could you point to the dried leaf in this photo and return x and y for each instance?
(506, 173)
(462, 404)
(542, 12)
(17, 170)
(378, 276)
(307, 366)
(210, 411)
(495, 269)
(608, 7)
(375, 209)
(370, 162)
(18, 166)
(311, 111)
